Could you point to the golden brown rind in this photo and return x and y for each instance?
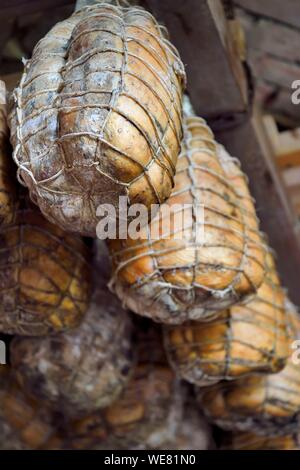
(44, 276)
(263, 404)
(247, 338)
(97, 115)
(185, 274)
(84, 369)
(44, 272)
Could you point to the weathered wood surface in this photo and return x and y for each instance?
(276, 39)
(5, 32)
(285, 147)
(276, 71)
(286, 11)
(286, 144)
(274, 55)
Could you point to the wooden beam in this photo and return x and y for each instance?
(285, 145)
(288, 160)
(285, 11)
(273, 69)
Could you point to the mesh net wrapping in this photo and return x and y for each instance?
(81, 370)
(44, 272)
(24, 424)
(177, 275)
(247, 338)
(147, 412)
(44, 276)
(97, 115)
(262, 404)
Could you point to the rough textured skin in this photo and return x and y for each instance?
(8, 439)
(192, 432)
(247, 338)
(97, 115)
(82, 370)
(265, 405)
(183, 277)
(44, 276)
(44, 272)
(248, 441)
(24, 423)
(150, 404)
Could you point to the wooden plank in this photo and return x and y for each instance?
(286, 11)
(288, 159)
(288, 154)
(12, 8)
(282, 107)
(250, 144)
(276, 39)
(247, 20)
(291, 176)
(273, 133)
(272, 96)
(198, 29)
(267, 67)
(285, 145)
